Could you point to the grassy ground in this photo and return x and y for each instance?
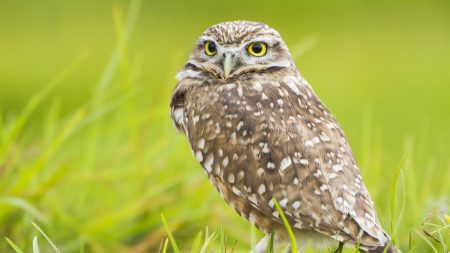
(88, 151)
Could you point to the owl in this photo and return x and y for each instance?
(261, 134)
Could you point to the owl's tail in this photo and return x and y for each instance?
(385, 249)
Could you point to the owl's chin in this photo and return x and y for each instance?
(257, 68)
(240, 72)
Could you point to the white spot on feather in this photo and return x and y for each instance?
(317, 173)
(257, 86)
(239, 125)
(208, 162)
(324, 137)
(178, 115)
(231, 178)
(280, 102)
(304, 162)
(240, 175)
(227, 86)
(260, 171)
(201, 143)
(337, 168)
(261, 189)
(285, 163)
(265, 148)
(283, 202)
(323, 187)
(291, 82)
(236, 191)
(195, 119)
(225, 162)
(240, 92)
(296, 205)
(199, 156)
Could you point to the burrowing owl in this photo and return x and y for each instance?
(261, 133)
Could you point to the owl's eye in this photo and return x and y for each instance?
(257, 49)
(210, 48)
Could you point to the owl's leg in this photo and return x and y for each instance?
(288, 249)
(339, 248)
(261, 247)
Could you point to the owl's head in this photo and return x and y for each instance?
(237, 47)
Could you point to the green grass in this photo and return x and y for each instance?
(287, 226)
(88, 151)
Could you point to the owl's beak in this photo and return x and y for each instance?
(227, 65)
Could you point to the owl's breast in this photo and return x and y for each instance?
(248, 116)
(229, 111)
(215, 117)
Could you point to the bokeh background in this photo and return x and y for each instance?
(87, 147)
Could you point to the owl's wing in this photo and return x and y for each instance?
(325, 144)
(261, 141)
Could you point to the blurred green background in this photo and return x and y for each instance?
(87, 147)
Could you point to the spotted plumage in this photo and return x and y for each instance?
(261, 133)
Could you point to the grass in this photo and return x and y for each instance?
(97, 176)
(287, 226)
(169, 234)
(35, 244)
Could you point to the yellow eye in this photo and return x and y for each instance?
(210, 48)
(257, 49)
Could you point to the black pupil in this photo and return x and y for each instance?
(211, 47)
(257, 48)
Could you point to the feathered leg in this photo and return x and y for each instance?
(261, 247)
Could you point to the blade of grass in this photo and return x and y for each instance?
(387, 247)
(222, 238)
(166, 242)
(339, 248)
(270, 244)
(13, 245)
(234, 246)
(425, 239)
(35, 245)
(439, 227)
(410, 246)
(45, 236)
(442, 242)
(24, 205)
(197, 242)
(401, 212)
(287, 226)
(252, 237)
(169, 234)
(393, 190)
(357, 246)
(208, 240)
